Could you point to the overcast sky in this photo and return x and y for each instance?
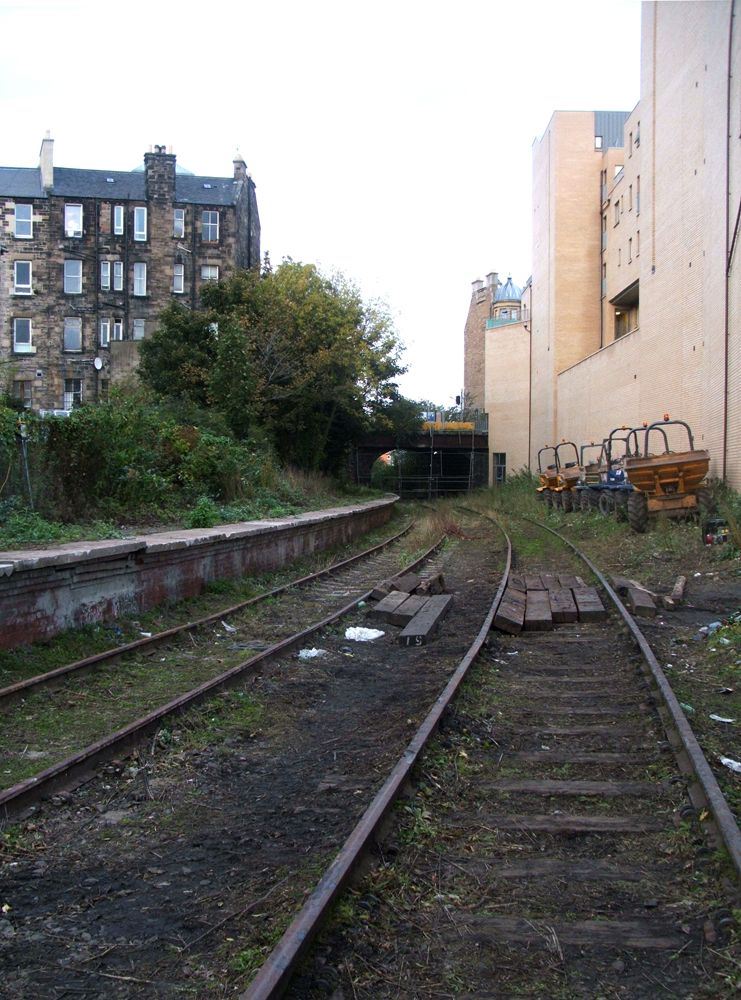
(389, 140)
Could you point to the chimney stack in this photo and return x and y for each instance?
(240, 167)
(46, 162)
(477, 286)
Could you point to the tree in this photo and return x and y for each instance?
(177, 360)
(296, 352)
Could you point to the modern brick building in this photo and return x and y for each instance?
(88, 259)
(636, 284)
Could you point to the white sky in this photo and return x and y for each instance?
(391, 140)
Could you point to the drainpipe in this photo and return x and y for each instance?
(728, 258)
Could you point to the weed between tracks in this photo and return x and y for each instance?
(406, 928)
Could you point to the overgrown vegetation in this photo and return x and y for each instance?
(242, 409)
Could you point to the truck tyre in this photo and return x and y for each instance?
(567, 501)
(606, 506)
(638, 511)
(586, 503)
(556, 500)
(548, 498)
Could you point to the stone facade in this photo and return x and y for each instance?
(89, 258)
(479, 311)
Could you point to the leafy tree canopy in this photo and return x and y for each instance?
(289, 350)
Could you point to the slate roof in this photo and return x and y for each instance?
(508, 292)
(21, 182)
(70, 182)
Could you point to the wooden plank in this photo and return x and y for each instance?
(550, 786)
(434, 584)
(533, 582)
(382, 590)
(387, 606)
(677, 594)
(569, 757)
(589, 605)
(569, 581)
(404, 613)
(510, 614)
(517, 582)
(563, 608)
(582, 870)
(426, 622)
(538, 611)
(647, 934)
(640, 604)
(406, 582)
(549, 581)
(563, 824)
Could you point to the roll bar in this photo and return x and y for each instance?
(567, 444)
(659, 426)
(548, 447)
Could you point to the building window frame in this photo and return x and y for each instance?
(118, 329)
(140, 224)
(209, 272)
(118, 276)
(140, 279)
(105, 275)
(72, 334)
(617, 212)
(22, 389)
(21, 286)
(25, 220)
(72, 277)
(499, 467)
(630, 249)
(638, 194)
(178, 223)
(178, 279)
(210, 226)
(23, 336)
(105, 332)
(72, 393)
(73, 217)
(119, 216)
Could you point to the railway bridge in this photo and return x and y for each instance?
(453, 458)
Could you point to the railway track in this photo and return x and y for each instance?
(201, 657)
(563, 861)
(551, 842)
(145, 880)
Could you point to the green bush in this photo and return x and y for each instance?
(205, 514)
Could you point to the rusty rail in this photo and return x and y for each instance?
(77, 768)
(272, 978)
(81, 667)
(715, 801)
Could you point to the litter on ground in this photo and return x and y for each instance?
(360, 634)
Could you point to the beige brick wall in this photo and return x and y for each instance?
(566, 260)
(674, 361)
(507, 403)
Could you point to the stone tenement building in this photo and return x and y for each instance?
(89, 258)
